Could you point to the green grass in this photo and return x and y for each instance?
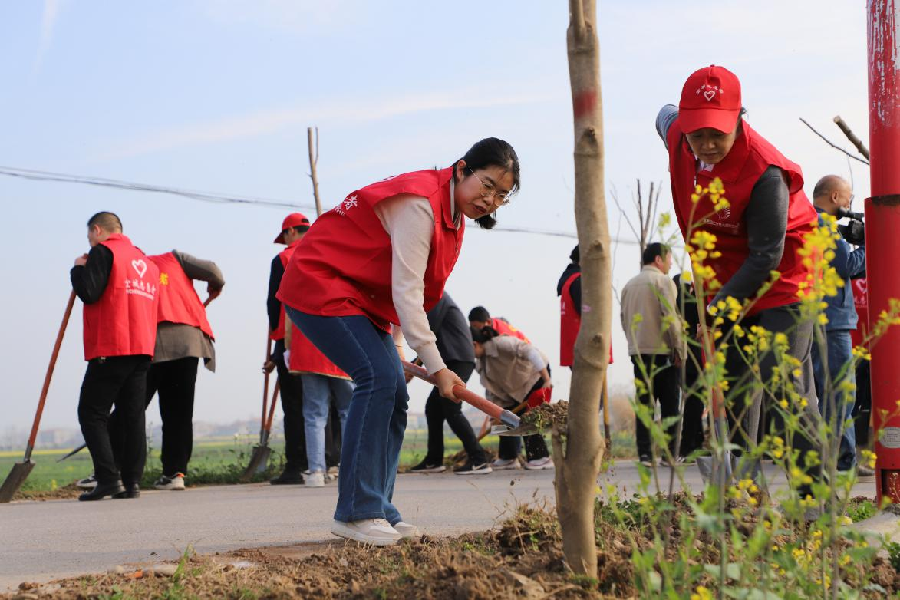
(221, 461)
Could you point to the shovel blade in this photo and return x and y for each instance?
(14, 480)
(515, 431)
(259, 461)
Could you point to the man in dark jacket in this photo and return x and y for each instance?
(454, 341)
(831, 195)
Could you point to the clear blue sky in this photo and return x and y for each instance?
(216, 95)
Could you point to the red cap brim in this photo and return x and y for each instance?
(279, 239)
(720, 119)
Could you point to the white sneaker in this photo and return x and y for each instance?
(377, 532)
(175, 482)
(506, 465)
(406, 530)
(539, 464)
(314, 479)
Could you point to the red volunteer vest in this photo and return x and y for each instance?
(861, 300)
(504, 328)
(569, 323)
(306, 358)
(750, 156)
(123, 321)
(178, 300)
(343, 264)
(285, 256)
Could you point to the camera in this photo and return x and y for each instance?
(854, 231)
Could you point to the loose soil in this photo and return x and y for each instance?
(521, 559)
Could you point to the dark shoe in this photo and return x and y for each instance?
(646, 460)
(470, 468)
(103, 490)
(288, 478)
(132, 490)
(428, 467)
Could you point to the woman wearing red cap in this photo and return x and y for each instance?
(760, 231)
(381, 259)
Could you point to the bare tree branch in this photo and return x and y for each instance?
(830, 143)
(850, 136)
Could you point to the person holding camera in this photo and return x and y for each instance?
(832, 196)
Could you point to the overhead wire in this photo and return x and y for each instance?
(39, 175)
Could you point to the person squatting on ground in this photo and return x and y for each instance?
(760, 231)
(293, 228)
(479, 318)
(118, 285)
(516, 376)
(324, 385)
(653, 330)
(183, 337)
(831, 195)
(374, 265)
(454, 341)
(692, 436)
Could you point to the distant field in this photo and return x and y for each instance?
(222, 460)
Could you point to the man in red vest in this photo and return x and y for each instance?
(761, 230)
(293, 228)
(183, 338)
(479, 318)
(119, 287)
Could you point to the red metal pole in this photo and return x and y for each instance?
(882, 242)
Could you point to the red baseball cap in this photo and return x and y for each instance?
(297, 220)
(711, 97)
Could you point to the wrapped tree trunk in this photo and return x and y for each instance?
(579, 455)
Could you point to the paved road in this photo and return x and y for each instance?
(61, 538)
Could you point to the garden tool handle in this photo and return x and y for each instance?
(53, 356)
(482, 404)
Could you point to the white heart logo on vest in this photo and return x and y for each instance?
(140, 266)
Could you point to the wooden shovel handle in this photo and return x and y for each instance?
(268, 423)
(482, 404)
(49, 375)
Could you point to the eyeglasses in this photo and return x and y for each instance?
(489, 191)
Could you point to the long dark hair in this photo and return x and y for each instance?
(485, 334)
(491, 152)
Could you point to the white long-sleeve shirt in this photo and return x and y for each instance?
(409, 221)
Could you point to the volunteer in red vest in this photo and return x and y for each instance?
(760, 231)
(322, 382)
(118, 285)
(183, 338)
(293, 228)
(479, 318)
(568, 288)
(368, 268)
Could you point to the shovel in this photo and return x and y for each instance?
(20, 470)
(259, 460)
(513, 424)
(72, 453)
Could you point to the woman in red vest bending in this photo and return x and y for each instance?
(760, 231)
(381, 259)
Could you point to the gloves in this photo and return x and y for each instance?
(287, 358)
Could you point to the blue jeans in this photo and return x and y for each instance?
(376, 420)
(317, 393)
(839, 370)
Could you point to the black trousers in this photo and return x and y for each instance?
(660, 383)
(292, 404)
(439, 409)
(332, 438)
(862, 410)
(692, 427)
(120, 382)
(535, 446)
(175, 381)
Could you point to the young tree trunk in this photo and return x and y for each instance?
(576, 474)
(313, 161)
